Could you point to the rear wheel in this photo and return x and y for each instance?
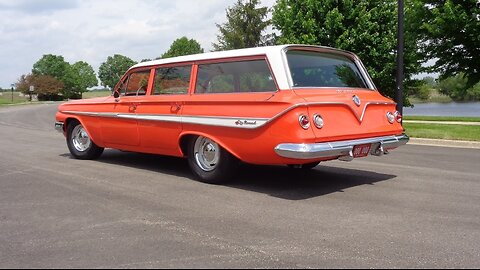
(80, 144)
(210, 162)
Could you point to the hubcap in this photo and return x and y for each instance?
(80, 139)
(207, 153)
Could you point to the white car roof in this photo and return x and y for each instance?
(275, 55)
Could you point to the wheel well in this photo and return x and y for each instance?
(184, 143)
(68, 121)
(187, 137)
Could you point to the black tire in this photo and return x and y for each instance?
(307, 166)
(80, 144)
(209, 162)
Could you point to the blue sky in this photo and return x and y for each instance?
(92, 30)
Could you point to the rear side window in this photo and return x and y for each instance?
(316, 69)
(172, 80)
(233, 77)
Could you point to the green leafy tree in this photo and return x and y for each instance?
(78, 78)
(457, 88)
(75, 78)
(367, 28)
(244, 27)
(52, 65)
(183, 46)
(430, 81)
(113, 69)
(423, 92)
(450, 34)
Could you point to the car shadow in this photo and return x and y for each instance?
(277, 181)
(296, 184)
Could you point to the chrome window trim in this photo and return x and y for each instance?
(358, 63)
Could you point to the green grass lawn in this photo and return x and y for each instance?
(94, 94)
(442, 118)
(6, 98)
(439, 131)
(442, 131)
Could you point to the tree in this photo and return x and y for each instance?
(450, 33)
(45, 86)
(52, 65)
(367, 28)
(457, 88)
(183, 46)
(78, 78)
(430, 81)
(75, 78)
(113, 69)
(244, 27)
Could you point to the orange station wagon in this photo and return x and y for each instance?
(292, 104)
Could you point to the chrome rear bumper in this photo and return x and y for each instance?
(342, 150)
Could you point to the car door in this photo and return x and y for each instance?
(119, 125)
(159, 117)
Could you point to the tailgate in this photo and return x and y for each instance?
(350, 114)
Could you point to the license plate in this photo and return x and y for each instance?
(361, 150)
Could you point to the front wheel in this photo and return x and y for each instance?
(80, 144)
(209, 162)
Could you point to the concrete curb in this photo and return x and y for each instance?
(445, 143)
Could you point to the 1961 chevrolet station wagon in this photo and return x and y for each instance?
(291, 104)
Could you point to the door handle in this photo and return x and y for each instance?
(132, 108)
(176, 107)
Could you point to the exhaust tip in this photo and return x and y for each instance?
(348, 157)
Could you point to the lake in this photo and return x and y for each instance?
(471, 109)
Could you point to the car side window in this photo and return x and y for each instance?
(234, 77)
(172, 80)
(137, 83)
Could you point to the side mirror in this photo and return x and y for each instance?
(116, 94)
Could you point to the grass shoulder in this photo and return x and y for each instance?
(442, 118)
(443, 131)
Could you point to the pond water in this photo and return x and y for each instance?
(471, 109)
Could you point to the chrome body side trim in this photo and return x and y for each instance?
(339, 149)
(59, 127)
(233, 122)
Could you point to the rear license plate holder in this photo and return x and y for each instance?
(361, 150)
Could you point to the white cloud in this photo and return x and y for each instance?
(92, 30)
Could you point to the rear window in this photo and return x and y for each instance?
(233, 77)
(316, 69)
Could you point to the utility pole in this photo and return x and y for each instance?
(12, 85)
(400, 41)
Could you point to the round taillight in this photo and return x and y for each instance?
(318, 121)
(304, 121)
(390, 117)
(398, 117)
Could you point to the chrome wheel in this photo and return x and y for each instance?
(207, 154)
(80, 139)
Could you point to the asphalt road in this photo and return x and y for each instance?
(418, 207)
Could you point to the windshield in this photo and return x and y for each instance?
(317, 69)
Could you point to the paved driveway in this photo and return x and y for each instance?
(417, 207)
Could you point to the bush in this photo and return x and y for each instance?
(49, 97)
(423, 92)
